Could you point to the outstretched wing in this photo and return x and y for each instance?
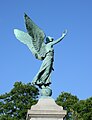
(26, 39)
(38, 36)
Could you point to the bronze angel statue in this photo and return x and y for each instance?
(41, 47)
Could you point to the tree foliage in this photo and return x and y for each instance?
(84, 108)
(76, 109)
(14, 105)
(67, 101)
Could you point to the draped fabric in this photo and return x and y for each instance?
(43, 75)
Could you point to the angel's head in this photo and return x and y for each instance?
(49, 39)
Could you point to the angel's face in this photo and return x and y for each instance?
(49, 39)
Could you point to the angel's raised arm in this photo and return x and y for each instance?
(59, 39)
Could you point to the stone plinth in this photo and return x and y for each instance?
(46, 109)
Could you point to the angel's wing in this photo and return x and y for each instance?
(38, 36)
(26, 39)
(34, 39)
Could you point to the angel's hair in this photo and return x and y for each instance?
(49, 39)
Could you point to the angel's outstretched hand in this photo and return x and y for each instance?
(64, 33)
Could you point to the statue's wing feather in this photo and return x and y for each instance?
(26, 39)
(37, 34)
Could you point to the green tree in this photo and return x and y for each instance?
(67, 101)
(76, 109)
(14, 105)
(84, 108)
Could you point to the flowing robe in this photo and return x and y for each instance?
(43, 75)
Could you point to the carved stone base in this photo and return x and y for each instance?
(46, 109)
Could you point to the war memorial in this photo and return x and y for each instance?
(41, 47)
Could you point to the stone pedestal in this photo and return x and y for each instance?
(46, 109)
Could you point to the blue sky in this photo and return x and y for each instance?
(73, 56)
